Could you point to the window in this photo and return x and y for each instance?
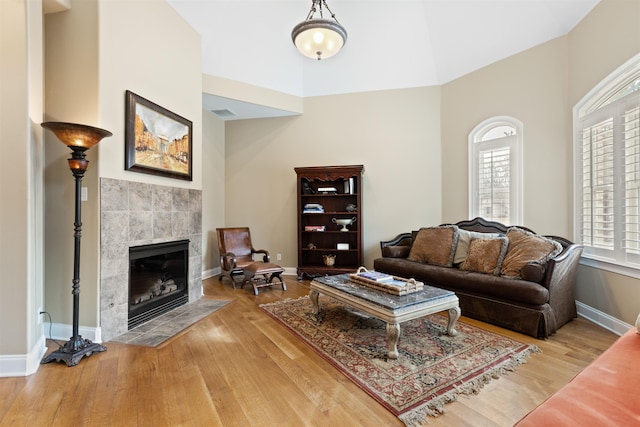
(607, 157)
(494, 170)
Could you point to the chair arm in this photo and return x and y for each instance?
(265, 258)
(228, 261)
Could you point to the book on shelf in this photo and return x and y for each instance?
(313, 208)
(327, 190)
(375, 276)
(314, 228)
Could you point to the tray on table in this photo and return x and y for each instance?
(398, 286)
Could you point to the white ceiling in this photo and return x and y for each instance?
(391, 43)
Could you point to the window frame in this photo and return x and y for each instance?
(592, 107)
(514, 143)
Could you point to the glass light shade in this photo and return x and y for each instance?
(76, 135)
(319, 38)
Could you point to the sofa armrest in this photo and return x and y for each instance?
(403, 239)
(560, 280)
(398, 247)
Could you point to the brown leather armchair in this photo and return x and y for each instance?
(236, 251)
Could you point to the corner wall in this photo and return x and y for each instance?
(22, 341)
(607, 38)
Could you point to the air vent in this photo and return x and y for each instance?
(224, 113)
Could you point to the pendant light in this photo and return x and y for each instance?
(319, 38)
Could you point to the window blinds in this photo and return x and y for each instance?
(494, 184)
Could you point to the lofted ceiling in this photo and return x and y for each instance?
(391, 43)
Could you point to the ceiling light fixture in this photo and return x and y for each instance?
(319, 38)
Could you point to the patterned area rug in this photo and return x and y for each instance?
(432, 370)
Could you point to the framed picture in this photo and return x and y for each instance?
(157, 141)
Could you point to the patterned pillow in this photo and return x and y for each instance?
(435, 245)
(485, 255)
(464, 238)
(524, 248)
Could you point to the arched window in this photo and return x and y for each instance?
(607, 159)
(495, 169)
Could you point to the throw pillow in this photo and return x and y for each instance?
(485, 255)
(435, 245)
(464, 238)
(524, 248)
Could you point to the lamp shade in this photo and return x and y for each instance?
(76, 135)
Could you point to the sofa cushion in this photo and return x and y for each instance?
(533, 272)
(435, 245)
(524, 248)
(485, 255)
(497, 287)
(464, 238)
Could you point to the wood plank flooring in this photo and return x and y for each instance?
(238, 367)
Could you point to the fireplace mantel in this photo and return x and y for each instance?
(135, 214)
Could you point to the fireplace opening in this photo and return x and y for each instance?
(158, 280)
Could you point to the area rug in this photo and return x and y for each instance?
(158, 330)
(432, 369)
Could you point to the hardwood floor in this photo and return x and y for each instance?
(238, 367)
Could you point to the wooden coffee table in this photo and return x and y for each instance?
(392, 309)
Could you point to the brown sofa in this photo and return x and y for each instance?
(536, 300)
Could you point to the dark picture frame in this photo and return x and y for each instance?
(157, 141)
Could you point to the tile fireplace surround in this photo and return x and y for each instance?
(134, 214)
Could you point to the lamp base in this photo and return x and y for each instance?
(74, 350)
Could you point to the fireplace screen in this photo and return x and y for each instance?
(158, 278)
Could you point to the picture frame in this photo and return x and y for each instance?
(157, 141)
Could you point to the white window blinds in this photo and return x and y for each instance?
(610, 172)
(631, 138)
(494, 184)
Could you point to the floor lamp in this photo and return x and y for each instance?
(79, 138)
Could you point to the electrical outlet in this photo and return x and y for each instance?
(279, 257)
(40, 315)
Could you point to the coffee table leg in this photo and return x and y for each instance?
(314, 299)
(393, 335)
(454, 315)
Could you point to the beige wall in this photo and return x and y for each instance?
(531, 87)
(607, 38)
(21, 216)
(147, 48)
(394, 134)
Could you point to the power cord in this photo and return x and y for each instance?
(50, 326)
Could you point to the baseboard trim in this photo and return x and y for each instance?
(63, 332)
(22, 365)
(211, 272)
(600, 318)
